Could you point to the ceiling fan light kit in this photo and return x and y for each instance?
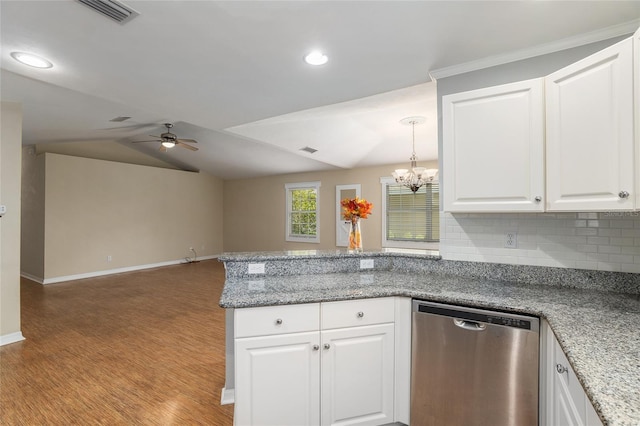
(168, 140)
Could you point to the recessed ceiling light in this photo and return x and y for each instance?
(31, 60)
(316, 58)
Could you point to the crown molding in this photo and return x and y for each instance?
(542, 49)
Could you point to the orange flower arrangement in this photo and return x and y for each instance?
(355, 208)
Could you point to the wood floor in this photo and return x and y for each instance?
(137, 348)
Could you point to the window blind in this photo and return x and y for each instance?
(413, 217)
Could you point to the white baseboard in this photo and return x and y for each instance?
(11, 338)
(113, 271)
(39, 280)
(228, 396)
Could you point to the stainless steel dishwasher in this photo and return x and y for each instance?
(473, 367)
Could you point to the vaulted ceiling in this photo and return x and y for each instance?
(231, 75)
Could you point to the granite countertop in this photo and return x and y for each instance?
(263, 256)
(597, 330)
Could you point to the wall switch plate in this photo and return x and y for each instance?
(366, 263)
(3, 210)
(256, 268)
(511, 239)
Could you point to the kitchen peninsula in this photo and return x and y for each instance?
(594, 328)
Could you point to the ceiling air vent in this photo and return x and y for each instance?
(112, 8)
(308, 149)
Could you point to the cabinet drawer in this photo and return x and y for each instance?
(268, 320)
(351, 313)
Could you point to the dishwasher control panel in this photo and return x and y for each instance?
(509, 322)
(478, 315)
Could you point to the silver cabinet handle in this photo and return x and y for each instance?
(326, 346)
(360, 314)
(561, 368)
(279, 321)
(538, 199)
(316, 347)
(623, 194)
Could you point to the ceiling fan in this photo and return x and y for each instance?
(169, 140)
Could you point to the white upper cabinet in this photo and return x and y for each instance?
(590, 140)
(493, 150)
(572, 131)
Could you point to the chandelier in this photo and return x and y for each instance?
(415, 177)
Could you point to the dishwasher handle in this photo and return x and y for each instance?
(469, 325)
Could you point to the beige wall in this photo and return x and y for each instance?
(10, 152)
(254, 209)
(136, 214)
(32, 235)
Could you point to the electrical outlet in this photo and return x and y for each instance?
(366, 263)
(109, 258)
(511, 239)
(256, 268)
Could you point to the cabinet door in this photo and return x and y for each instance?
(569, 397)
(493, 149)
(566, 401)
(358, 375)
(278, 380)
(590, 142)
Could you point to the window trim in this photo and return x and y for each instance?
(384, 181)
(299, 238)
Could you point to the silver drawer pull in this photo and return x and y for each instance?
(326, 346)
(623, 194)
(538, 199)
(316, 347)
(279, 321)
(561, 369)
(360, 314)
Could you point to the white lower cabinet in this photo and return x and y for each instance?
(566, 401)
(316, 364)
(357, 375)
(277, 381)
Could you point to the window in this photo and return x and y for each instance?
(303, 212)
(410, 220)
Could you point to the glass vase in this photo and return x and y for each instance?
(355, 236)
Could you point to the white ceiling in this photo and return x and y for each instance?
(231, 75)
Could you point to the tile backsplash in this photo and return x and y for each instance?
(608, 241)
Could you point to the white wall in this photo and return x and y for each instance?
(10, 152)
(602, 241)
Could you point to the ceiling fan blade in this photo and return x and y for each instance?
(184, 145)
(154, 136)
(187, 140)
(155, 140)
(163, 148)
(132, 127)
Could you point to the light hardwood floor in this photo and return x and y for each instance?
(143, 348)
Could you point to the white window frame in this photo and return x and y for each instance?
(343, 226)
(384, 181)
(302, 238)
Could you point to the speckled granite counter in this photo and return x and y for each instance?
(597, 330)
